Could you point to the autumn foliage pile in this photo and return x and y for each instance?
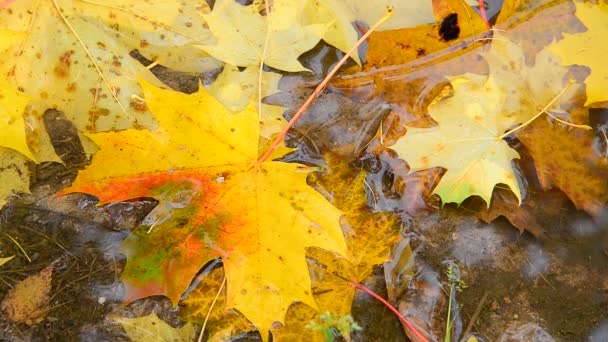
(197, 154)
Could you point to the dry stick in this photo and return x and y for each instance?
(321, 86)
(475, 315)
(200, 336)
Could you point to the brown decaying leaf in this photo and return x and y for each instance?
(534, 215)
(541, 27)
(564, 157)
(28, 301)
(505, 204)
(394, 47)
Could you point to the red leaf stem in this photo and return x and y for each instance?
(5, 2)
(321, 86)
(392, 308)
(484, 16)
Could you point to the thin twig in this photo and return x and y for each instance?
(475, 314)
(217, 295)
(321, 86)
(539, 113)
(18, 245)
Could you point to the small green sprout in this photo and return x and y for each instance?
(334, 326)
(456, 285)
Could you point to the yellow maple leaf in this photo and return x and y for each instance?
(215, 201)
(12, 126)
(468, 140)
(12, 106)
(241, 34)
(77, 60)
(235, 88)
(369, 237)
(222, 324)
(587, 48)
(152, 328)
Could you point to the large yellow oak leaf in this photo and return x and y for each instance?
(74, 56)
(241, 34)
(586, 48)
(215, 201)
(468, 139)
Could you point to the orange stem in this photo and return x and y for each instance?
(484, 16)
(321, 86)
(392, 308)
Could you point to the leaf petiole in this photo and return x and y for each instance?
(321, 86)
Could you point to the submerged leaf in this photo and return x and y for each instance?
(241, 34)
(369, 237)
(468, 140)
(222, 324)
(585, 49)
(152, 328)
(28, 301)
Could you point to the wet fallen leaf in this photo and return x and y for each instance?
(235, 89)
(215, 201)
(468, 140)
(369, 237)
(394, 47)
(152, 328)
(342, 14)
(505, 204)
(13, 170)
(94, 86)
(28, 301)
(583, 48)
(15, 174)
(535, 24)
(565, 158)
(12, 106)
(222, 324)
(241, 33)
